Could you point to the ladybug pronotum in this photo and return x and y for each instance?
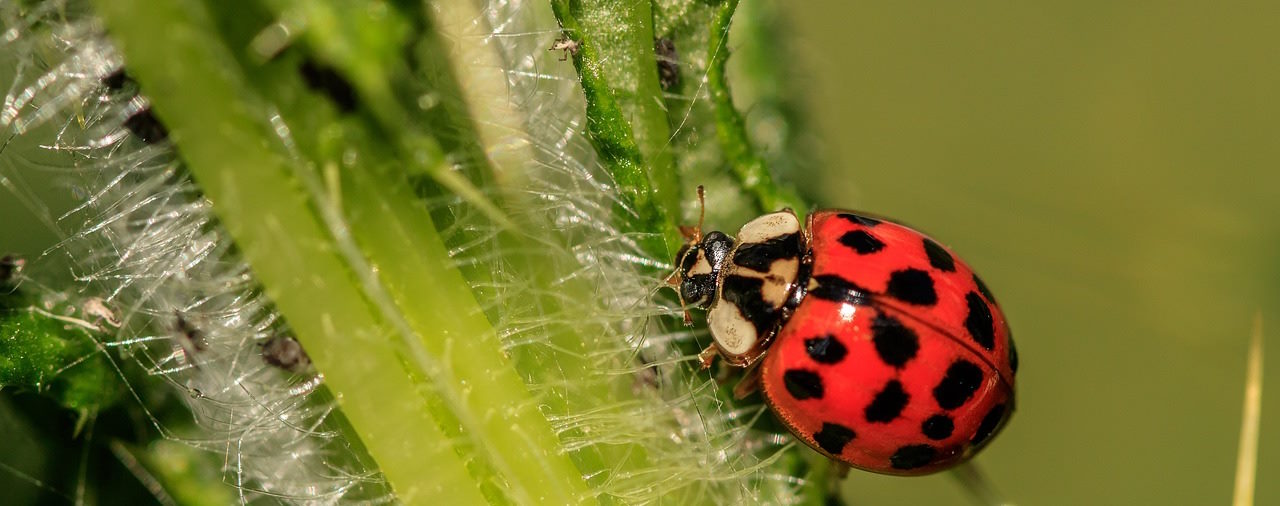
(874, 344)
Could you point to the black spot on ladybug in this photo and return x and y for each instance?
(989, 424)
(802, 384)
(960, 383)
(1013, 356)
(888, 404)
(861, 242)
(746, 293)
(979, 322)
(859, 220)
(759, 256)
(982, 287)
(833, 437)
(837, 289)
(825, 349)
(327, 80)
(895, 343)
(938, 427)
(912, 286)
(938, 256)
(668, 63)
(144, 125)
(912, 456)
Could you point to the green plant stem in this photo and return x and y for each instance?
(748, 166)
(624, 39)
(368, 50)
(646, 203)
(478, 70)
(510, 157)
(262, 206)
(382, 312)
(1250, 421)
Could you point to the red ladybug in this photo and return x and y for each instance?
(880, 348)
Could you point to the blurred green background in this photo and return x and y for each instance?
(1111, 170)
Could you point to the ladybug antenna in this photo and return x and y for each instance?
(694, 235)
(702, 209)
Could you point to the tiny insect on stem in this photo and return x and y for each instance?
(566, 44)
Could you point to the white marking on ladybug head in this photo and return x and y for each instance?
(769, 226)
(734, 334)
(702, 266)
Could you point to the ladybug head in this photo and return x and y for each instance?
(698, 267)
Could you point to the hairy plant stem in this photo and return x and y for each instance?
(746, 164)
(604, 51)
(649, 186)
(381, 310)
(307, 181)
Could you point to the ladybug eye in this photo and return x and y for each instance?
(717, 246)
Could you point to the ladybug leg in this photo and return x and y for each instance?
(749, 383)
(708, 355)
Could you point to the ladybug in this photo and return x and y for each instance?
(872, 343)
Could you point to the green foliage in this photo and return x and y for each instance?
(319, 130)
(402, 393)
(57, 357)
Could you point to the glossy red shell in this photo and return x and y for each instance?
(871, 370)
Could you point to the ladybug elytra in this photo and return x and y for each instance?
(875, 345)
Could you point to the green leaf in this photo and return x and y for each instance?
(56, 356)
